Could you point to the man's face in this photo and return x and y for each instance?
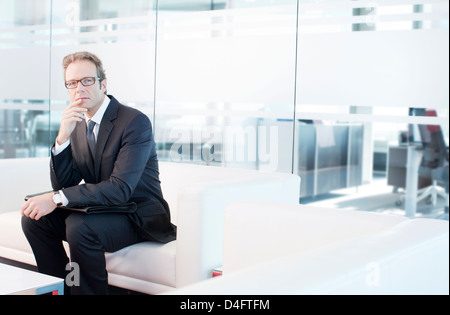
(91, 96)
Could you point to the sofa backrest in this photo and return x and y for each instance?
(411, 257)
(177, 176)
(256, 231)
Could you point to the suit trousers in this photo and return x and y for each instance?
(89, 237)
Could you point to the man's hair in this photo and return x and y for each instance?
(84, 55)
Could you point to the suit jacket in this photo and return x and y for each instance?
(124, 169)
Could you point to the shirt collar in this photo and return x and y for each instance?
(97, 118)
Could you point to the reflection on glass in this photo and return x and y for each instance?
(26, 133)
(329, 156)
(419, 164)
(239, 142)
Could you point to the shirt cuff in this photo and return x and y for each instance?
(64, 199)
(58, 148)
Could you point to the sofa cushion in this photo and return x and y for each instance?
(148, 261)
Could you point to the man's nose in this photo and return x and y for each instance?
(79, 87)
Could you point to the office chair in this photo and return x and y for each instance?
(434, 163)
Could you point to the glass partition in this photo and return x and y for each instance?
(334, 91)
(225, 83)
(25, 39)
(362, 67)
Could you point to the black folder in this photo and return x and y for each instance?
(122, 208)
(129, 207)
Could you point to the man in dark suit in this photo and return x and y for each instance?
(111, 147)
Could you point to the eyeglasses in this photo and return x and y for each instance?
(85, 82)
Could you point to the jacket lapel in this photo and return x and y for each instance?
(106, 126)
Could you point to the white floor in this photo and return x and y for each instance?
(376, 196)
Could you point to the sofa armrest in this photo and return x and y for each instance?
(201, 210)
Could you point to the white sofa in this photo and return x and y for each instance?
(197, 195)
(274, 248)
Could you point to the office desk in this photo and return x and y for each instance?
(403, 172)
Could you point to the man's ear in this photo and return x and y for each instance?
(103, 85)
